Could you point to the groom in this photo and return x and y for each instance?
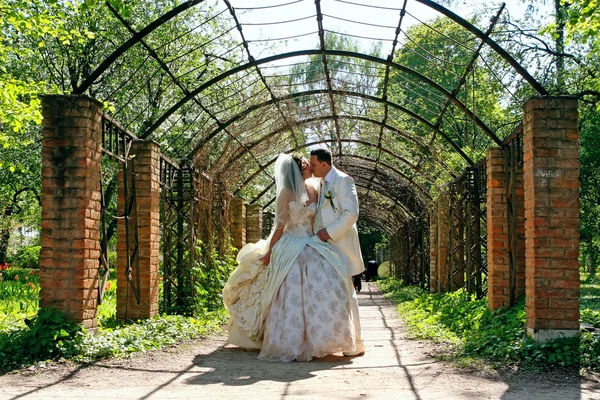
(335, 223)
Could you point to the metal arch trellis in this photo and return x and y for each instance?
(177, 10)
(351, 141)
(386, 79)
(513, 158)
(467, 233)
(178, 228)
(138, 37)
(178, 221)
(466, 261)
(425, 149)
(116, 144)
(192, 94)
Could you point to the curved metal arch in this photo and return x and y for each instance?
(157, 23)
(384, 191)
(386, 195)
(290, 96)
(324, 118)
(489, 41)
(379, 225)
(408, 179)
(188, 97)
(272, 161)
(407, 212)
(191, 3)
(393, 169)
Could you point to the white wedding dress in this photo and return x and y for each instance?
(296, 308)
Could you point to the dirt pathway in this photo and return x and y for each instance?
(394, 367)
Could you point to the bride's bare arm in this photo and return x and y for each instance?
(283, 215)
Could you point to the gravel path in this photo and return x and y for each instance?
(394, 367)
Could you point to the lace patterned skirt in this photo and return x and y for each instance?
(310, 314)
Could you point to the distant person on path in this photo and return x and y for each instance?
(357, 282)
(291, 296)
(371, 273)
(335, 223)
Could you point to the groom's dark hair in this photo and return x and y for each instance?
(323, 155)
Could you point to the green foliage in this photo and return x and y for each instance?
(107, 310)
(584, 19)
(27, 257)
(29, 335)
(472, 331)
(590, 300)
(369, 237)
(198, 289)
(19, 294)
(209, 276)
(49, 335)
(147, 334)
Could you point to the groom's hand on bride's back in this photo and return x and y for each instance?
(323, 235)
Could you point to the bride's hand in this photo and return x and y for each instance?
(266, 259)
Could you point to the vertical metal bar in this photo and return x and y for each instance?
(511, 162)
(469, 242)
(104, 267)
(180, 234)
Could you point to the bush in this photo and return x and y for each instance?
(49, 335)
(27, 257)
(498, 336)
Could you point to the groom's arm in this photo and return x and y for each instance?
(349, 209)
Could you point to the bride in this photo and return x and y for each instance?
(289, 296)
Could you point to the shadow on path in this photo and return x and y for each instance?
(394, 367)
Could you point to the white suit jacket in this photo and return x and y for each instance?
(341, 222)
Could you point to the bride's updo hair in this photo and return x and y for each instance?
(298, 161)
(289, 168)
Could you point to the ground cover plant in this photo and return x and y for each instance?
(29, 335)
(470, 331)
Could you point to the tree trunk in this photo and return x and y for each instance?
(4, 238)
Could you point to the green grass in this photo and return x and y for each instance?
(590, 300)
(28, 335)
(471, 331)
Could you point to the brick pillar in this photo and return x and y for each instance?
(253, 223)
(237, 208)
(144, 176)
(497, 231)
(433, 249)
(520, 231)
(551, 174)
(70, 228)
(443, 242)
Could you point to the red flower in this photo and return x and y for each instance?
(16, 277)
(3, 267)
(31, 285)
(107, 286)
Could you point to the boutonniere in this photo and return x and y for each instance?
(330, 195)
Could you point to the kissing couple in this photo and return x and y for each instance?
(291, 296)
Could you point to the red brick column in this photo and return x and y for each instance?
(144, 176)
(551, 173)
(70, 234)
(237, 208)
(443, 242)
(519, 183)
(433, 249)
(253, 223)
(497, 230)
